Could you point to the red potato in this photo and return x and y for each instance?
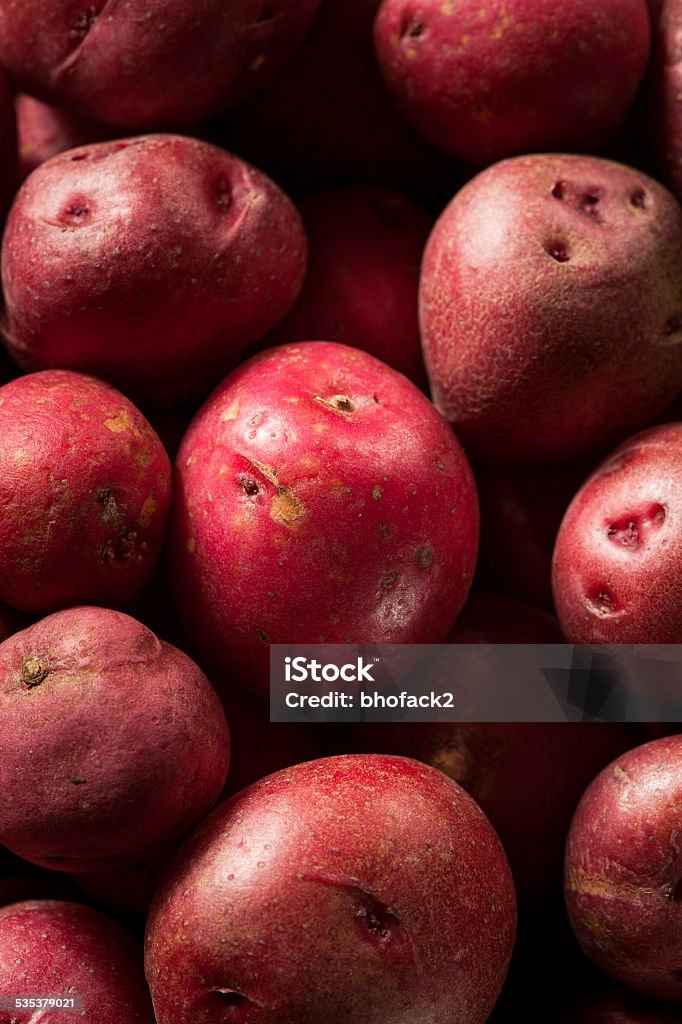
(665, 95)
(617, 567)
(85, 488)
(151, 262)
(328, 119)
(53, 948)
(624, 869)
(551, 307)
(366, 245)
(486, 79)
(384, 868)
(527, 777)
(45, 131)
(130, 64)
(320, 499)
(119, 742)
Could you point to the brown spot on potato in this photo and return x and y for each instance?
(425, 556)
(376, 493)
(287, 509)
(34, 671)
(117, 424)
(262, 635)
(147, 513)
(191, 546)
(231, 412)
(77, 780)
(340, 404)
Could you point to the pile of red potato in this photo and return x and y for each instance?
(334, 321)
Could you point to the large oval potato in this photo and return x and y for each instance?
(152, 262)
(551, 307)
(148, 63)
(119, 742)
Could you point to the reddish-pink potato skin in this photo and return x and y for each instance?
(85, 488)
(320, 498)
(119, 742)
(617, 565)
(376, 885)
(45, 131)
(365, 249)
(665, 96)
(152, 262)
(486, 80)
(526, 776)
(624, 869)
(145, 63)
(551, 307)
(55, 948)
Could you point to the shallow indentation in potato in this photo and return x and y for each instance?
(230, 997)
(84, 22)
(341, 404)
(223, 195)
(602, 602)
(411, 26)
(630, 531)
(586, 201)
(672, 330)
(638, 199)
(559, 251)
(77, 212)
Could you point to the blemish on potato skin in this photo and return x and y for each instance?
(287, 509)
(147, 513)
(34, 671)
(117, 424)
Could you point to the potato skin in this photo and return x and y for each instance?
(617, 564)
(384, 868)
(623, 869)
(51, 947)
(665, 96)
(320, 498)
(487, 79)
(119, 743)
(44, 131)
(551, 307)
(85, 488)
(129, 62)
(152, 262)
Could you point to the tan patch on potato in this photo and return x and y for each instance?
(231, 412)
(191, 546)
(147, 512)
(117, 424)
(287, 509)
